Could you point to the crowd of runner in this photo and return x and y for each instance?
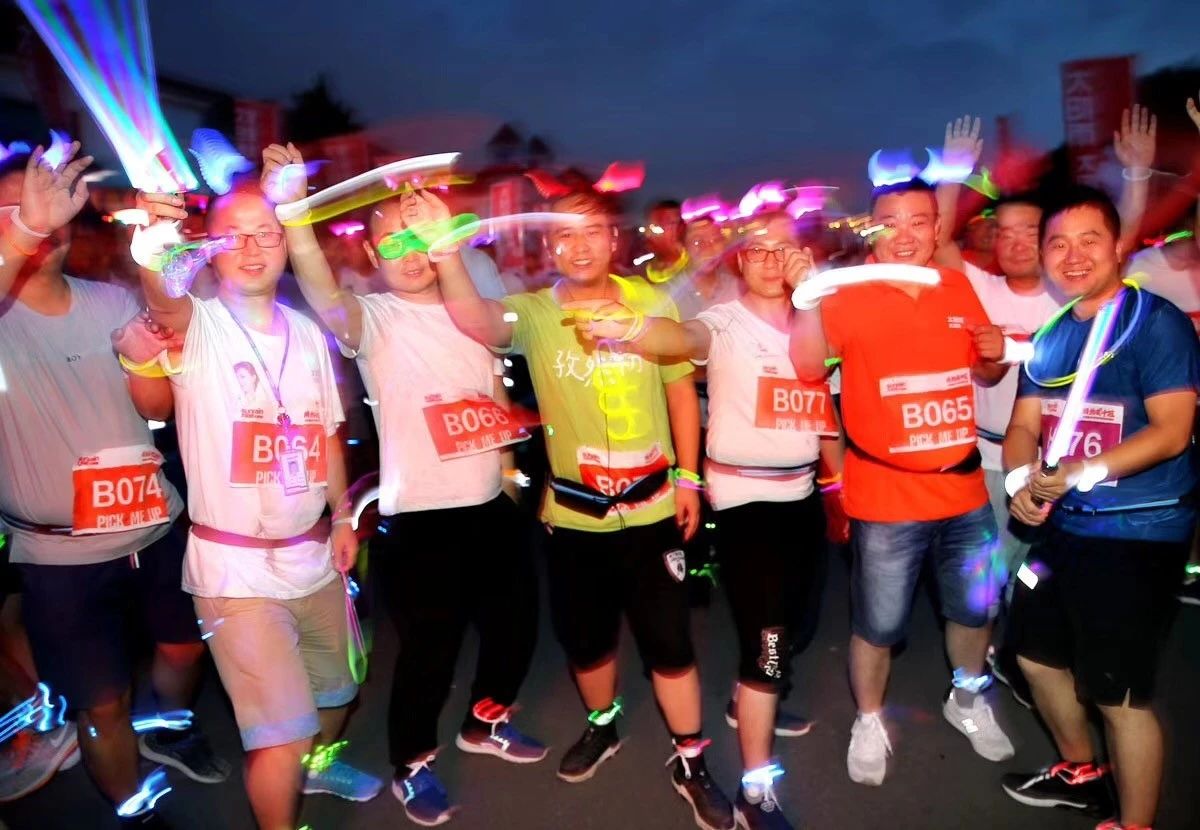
(710, 403)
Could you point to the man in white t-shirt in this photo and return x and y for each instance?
(1172, 270)
(455, 548)
(263, 460)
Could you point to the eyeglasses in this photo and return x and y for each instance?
(264, 239)
(757, 255)
(400, 244)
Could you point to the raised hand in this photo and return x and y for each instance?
(52, 196)
(1134, 142)
(1193, 112)
(797, 265)
(962, 147)
(168, 206)
(600, 319)
(141, 339)
(284, 178)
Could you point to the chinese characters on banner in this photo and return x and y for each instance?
(505, 197)
(1095, 92)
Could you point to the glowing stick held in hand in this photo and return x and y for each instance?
(363, 189)
(809, 293)
(495, 224)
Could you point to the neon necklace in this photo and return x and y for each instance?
(1105, 357)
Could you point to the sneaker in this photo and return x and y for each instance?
(1082, 787)
(188, 752)
(765, 814)
(689, 775)
(594, 747)
(1005, 669)
(31, 758)
(328, 775)
(866, 759)
(787, 725)
(423, 796)
(501, 738)
(1115, 824)
(1189, 592)
(978, 723)
(149, 820)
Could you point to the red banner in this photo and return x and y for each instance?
(348, 155)
(1095, 92)
(255, 125)
(505, 197)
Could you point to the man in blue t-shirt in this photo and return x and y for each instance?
(1095, 595)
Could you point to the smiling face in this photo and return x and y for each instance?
(705, 241)
(411, 273)
(254, 268)
(582, 251)
(762, 260)
(1017, 239)
(1081, 253)
(910, 227)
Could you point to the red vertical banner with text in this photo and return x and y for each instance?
(255, 125)
(505, 200)
(348, 155)
(1095, 92)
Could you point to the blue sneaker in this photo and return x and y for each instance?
(330, 776)
(423, 796)
(494, 735)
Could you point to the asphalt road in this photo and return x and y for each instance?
(934, 781)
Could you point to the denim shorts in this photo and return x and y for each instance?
(887, 563)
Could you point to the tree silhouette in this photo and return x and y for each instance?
(317, 114)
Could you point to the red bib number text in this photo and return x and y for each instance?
(471, 426)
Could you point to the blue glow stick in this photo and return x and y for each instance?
(152, 789)
(177, 720)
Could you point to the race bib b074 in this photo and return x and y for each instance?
(118, 489)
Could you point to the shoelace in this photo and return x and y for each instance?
(690, 750)
(322, 757)
(421, 778)
(874, 724)
(1070, 773)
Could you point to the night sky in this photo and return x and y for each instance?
(712, 96)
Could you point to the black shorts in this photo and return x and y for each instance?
(770, 553)
(1101, 608)
(84, 620)
(593, 577)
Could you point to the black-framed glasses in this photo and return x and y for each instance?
(264, 239)
(757, 255)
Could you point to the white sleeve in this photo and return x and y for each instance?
(366, 334)
(334, 414)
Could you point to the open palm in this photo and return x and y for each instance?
(52, 196)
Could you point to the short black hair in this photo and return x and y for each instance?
(909, 186)
(1077, 196)
(1025, 197)
(665, 204)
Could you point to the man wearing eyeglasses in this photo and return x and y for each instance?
(455, 549)
(913, 484)
(90, 510)
(263, 563)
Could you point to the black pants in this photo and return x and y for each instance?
(439, 570)
(770, 553)
(638, 570)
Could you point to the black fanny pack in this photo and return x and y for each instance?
(968, 465)
(593, 503)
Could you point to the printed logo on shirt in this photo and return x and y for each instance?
(571, 363)
(955, 322)
(676, 562)
(71, 358)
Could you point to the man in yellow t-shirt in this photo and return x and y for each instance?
(619, 429)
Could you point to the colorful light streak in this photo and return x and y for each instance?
(152, 789)
(496, 224)
(219, 162)
(179, 720)
(363, 189)
(621, 176)
(104, 48)
(810, 292)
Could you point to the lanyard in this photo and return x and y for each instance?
(284, 420)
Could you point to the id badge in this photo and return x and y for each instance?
(293, 473)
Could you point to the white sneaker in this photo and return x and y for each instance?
(978, 723)
(866, 759)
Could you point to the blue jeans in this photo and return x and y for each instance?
(887, 563)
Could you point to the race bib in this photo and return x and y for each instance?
(1099, 429)
(613, 473)
(118, 489)
(929, 412)
(266, 453)
(787, 403)
(470, 426)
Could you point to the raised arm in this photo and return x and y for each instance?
(480, 318)
(284, 180)
(1134, 145)
(961, 150)
(50, 198)
(170, 312)
(1194, 113)
(657, 337)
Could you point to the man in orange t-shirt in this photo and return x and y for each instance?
(913, 482)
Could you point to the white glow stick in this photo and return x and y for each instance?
(498, 223)
(405, 167)
(809, 293)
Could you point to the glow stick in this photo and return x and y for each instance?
(809, 293)
(375, 185)
(103, 46)
(939, 169)
(218, 160)
(177, 720)
(884, 171)
(131, 216)
(37, 707)
(356, 650)
(59, 142)
(152, 789)
(699, 206)
(500, 223)
(361, 504)
(183, 262)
